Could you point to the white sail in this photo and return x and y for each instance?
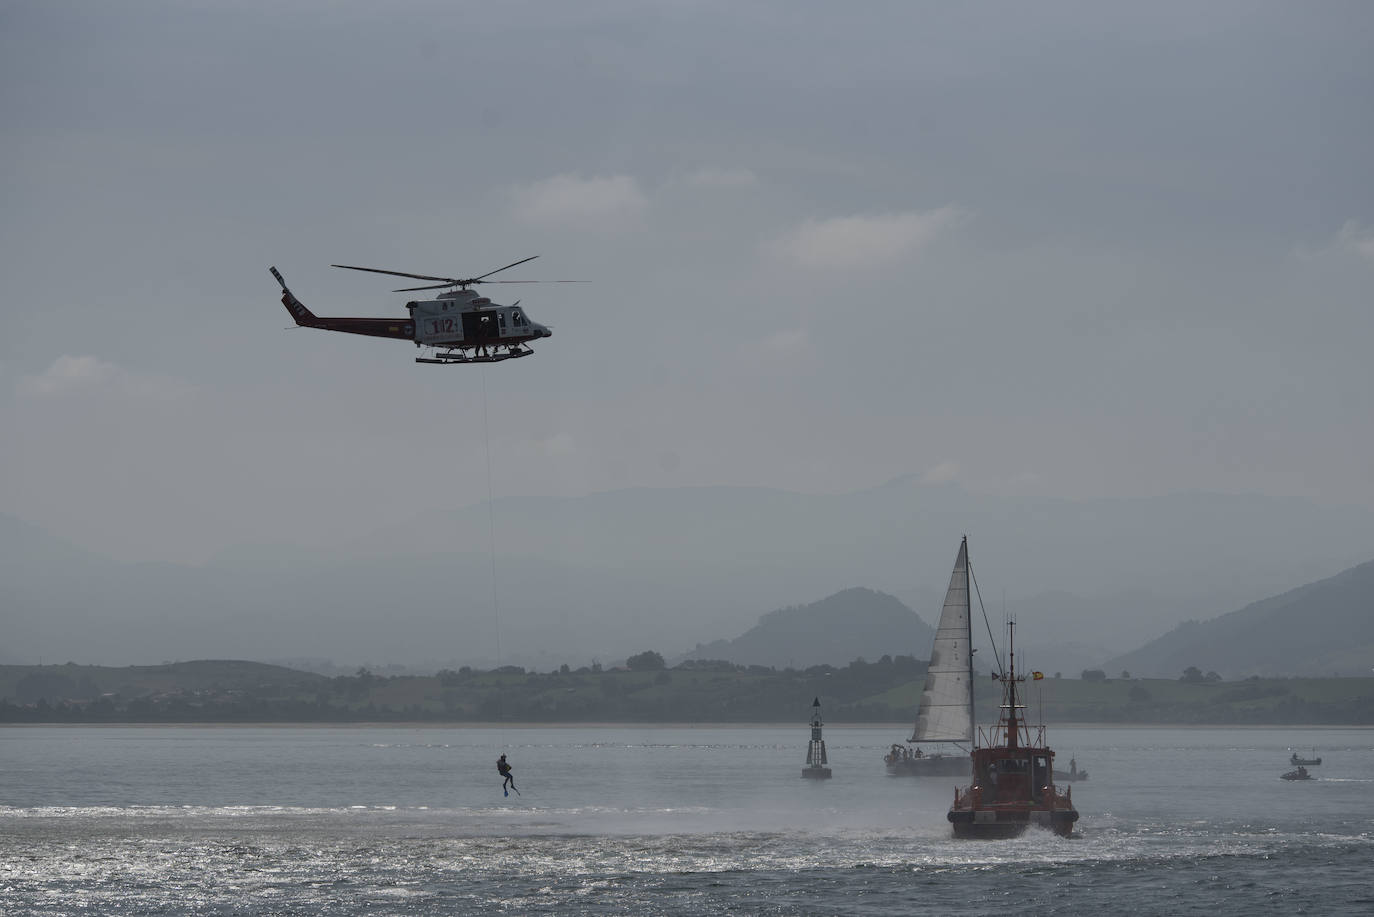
(946, 710)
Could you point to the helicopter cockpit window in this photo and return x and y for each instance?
(517, 318)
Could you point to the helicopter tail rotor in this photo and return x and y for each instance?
(303, 316)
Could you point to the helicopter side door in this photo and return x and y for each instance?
(480, 327)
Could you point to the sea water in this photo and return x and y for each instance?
(662, 820)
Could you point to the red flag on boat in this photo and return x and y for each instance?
(1036, 676)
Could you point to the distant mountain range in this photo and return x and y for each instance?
(853, 624)
(1317, 630)
(1324, 628)
(607, 575)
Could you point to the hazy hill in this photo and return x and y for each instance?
(856, 623)
(1103, 575)
(607, 575)
(1324, 628)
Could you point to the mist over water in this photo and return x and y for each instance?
(167, 820)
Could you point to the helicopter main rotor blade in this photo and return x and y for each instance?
(445, 286)
(448, 281)
(444, 282)
(437, 286)
(498, 270)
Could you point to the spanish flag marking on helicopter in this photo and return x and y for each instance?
(1036, 676)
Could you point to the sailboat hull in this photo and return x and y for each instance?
(931, 766)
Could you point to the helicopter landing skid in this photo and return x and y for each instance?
(481, 355)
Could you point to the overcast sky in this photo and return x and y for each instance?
(1072, 249)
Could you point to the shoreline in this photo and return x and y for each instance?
(604, 724)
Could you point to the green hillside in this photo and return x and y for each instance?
(194, 689)
(884, 691)
(1167, 700)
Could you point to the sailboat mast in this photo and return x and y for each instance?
(968, 631)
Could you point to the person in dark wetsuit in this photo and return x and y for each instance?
(505, 771)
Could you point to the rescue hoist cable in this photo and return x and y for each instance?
(491, 540)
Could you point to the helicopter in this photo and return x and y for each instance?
(459, 325)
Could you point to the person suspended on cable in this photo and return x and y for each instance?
(504, 769)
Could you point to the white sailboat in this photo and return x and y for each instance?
(939, 745)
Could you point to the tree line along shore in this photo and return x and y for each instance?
(645, 690)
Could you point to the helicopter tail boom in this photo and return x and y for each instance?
(404, 329)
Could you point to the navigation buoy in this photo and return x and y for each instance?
(815, 753)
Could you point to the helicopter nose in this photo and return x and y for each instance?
(545, 332)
